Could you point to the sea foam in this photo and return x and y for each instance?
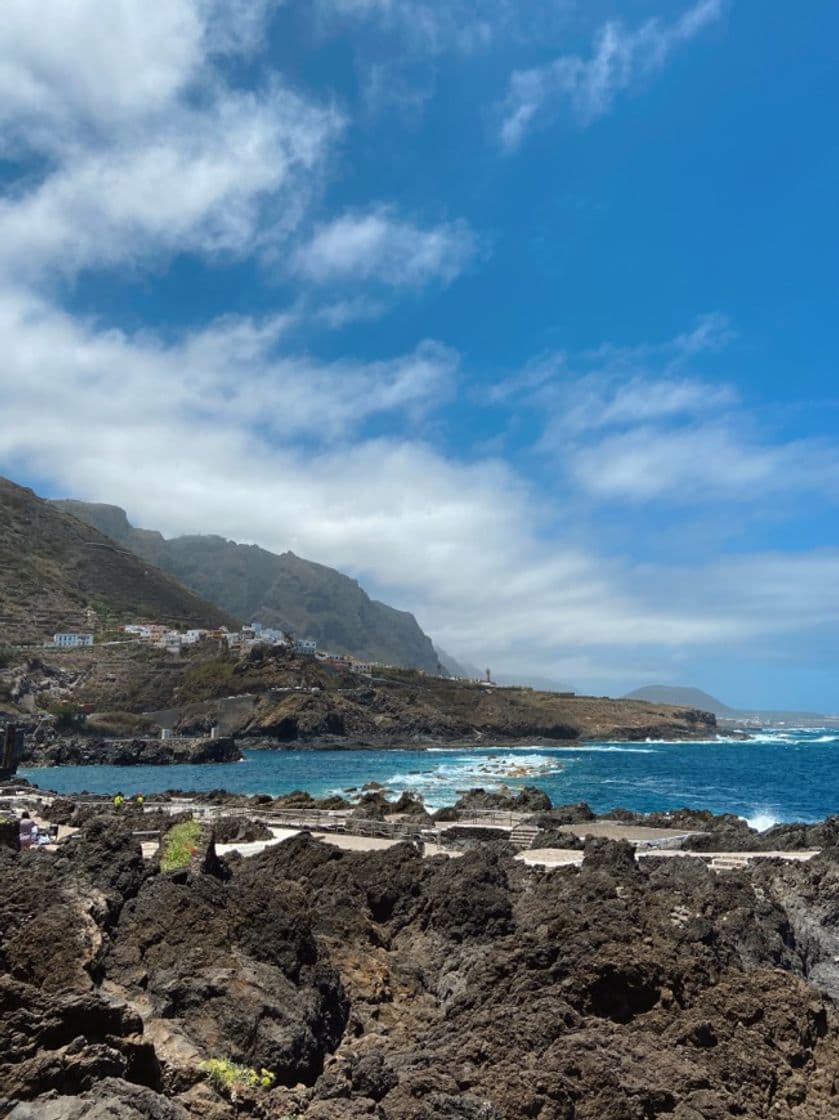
(761, 821)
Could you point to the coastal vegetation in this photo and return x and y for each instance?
(179, 845)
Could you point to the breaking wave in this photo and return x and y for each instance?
(762, 820)
(442, 784)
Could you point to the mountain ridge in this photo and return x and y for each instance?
(697, 698)
(277, 589)
(680, 694)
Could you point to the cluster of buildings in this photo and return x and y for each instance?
(173, 641)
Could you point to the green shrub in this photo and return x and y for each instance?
(119, 724)
(208, 679)
(179, 845)
(68, 716)
(231, 1078)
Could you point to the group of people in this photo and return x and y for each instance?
(138, 801)
(31, 835)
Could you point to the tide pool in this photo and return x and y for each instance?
(776, 776)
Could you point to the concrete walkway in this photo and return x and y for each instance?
(254, 847)
(346, 842)
(551, 858)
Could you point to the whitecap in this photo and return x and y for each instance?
(762, 820)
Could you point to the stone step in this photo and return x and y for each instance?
(729, 862)
(523, 835)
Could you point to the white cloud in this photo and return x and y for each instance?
(85, 64)
(635, 424)
(69, 70)
(206, 181)
(230, 377)
(706, 462)
(379, 245)
(620, 58)
(147, 149)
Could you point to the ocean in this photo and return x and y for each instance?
(779, 775)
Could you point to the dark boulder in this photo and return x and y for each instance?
(528, 799)
(410, 804)
(373, 807)
(110, 1099)
(579, 813)
(240, 830)
(9, 833)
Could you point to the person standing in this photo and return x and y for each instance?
(28, 831)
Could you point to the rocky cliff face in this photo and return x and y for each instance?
(386, 986)
(284, 591)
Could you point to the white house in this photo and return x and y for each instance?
(257, 633)
(271, 635)
(306, 645)
(69, 641)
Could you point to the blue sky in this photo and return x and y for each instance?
(523, 313)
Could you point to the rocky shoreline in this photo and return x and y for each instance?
(49, 748)
(384, 985)
(81, 750)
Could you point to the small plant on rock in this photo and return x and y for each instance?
(232, 1079)
(179, 845)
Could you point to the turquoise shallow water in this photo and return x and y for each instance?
(777, 776)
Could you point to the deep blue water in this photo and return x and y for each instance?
(777, 776)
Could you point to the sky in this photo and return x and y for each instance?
(521, 312)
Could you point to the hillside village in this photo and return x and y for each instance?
(241, 641)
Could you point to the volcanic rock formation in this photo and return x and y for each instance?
(387, 986)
